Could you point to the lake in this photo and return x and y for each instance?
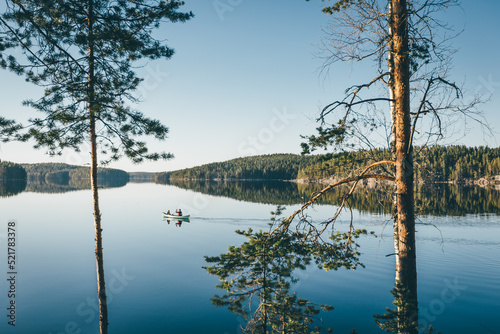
(156, 283)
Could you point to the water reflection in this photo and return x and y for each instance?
(430, 199)
(11, 187)
(404, 317)
(60, 184)
(258, 277)
(268, 192)
(467, 251)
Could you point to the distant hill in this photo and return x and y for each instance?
(60, 177)
(458, 164)
(261, 167)
(54, 170)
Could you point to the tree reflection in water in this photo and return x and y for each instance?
(258, 279)
(402, 318)
(11, 187)
(430, 199)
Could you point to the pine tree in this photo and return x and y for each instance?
(261, 270)
(83, 52)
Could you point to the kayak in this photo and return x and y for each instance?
(175, 217)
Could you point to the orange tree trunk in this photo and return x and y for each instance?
(405, 217)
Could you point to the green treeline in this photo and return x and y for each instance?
(60, 177)
(432, 164)
(343, 164)
(263, 167)
(457, 163)
(54, 178)
(61, 173)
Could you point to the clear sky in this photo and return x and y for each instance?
(246, 80)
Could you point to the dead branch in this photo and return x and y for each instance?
(362, 176)
(352, 96)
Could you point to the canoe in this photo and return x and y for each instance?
(175, 217)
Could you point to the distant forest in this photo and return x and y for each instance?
(262, 167)
(11, 171)
(54, 178)
(458, 164)
(432, 164)
(61, 173)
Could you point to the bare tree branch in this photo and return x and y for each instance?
(362, 176)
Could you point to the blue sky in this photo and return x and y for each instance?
(246, 80)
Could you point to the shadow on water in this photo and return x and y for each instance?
(430, 199)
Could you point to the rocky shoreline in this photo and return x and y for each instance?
(484, 182)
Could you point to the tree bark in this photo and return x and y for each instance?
(405, 217)
(390, 84)
(92, 105)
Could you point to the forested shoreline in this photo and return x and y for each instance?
(260, 167)
(56, 177)
(436, 164)
(61, 173)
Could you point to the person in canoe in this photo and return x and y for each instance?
(168, 213)
(179, 212)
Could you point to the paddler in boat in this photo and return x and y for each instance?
(179, 212)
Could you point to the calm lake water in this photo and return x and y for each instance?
(154, 274)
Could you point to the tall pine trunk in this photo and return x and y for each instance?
(405, 217)
(92, 105)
